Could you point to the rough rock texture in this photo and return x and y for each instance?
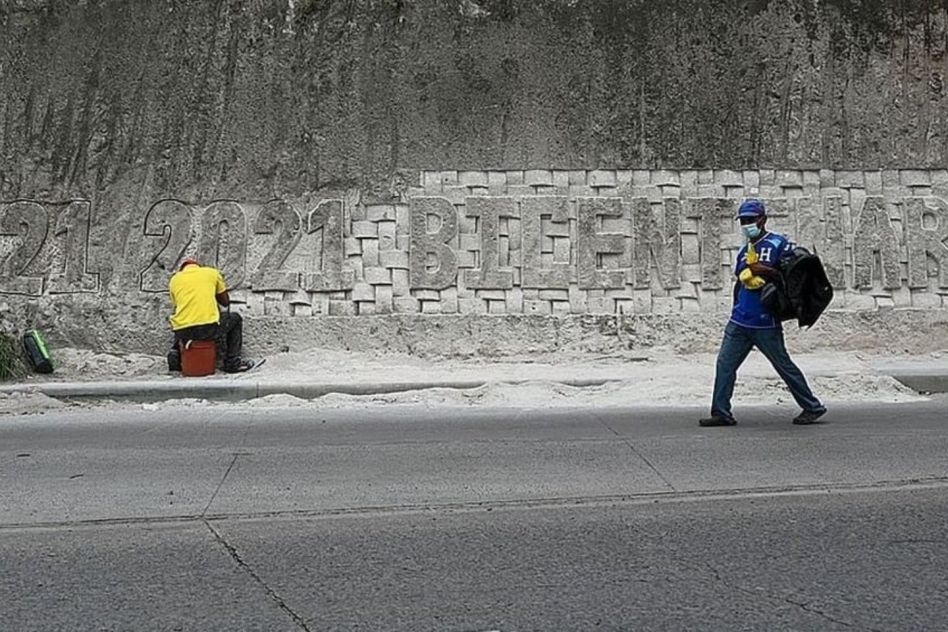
(288, 142)
(260, 98)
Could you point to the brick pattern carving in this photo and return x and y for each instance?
(513, 242)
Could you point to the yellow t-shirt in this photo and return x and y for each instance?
(193, 294)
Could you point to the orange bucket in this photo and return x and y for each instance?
(198, 358)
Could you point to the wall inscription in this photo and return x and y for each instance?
(530, 242)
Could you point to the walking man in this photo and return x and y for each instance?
(196, 291)
(751, 325)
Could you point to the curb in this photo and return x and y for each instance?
(921, 381)
(234, 391)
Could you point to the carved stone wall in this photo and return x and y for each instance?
(535, 242)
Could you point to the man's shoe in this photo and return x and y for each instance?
(717, 420)
(808, 417)
(240, 367)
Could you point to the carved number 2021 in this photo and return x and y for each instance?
(223, 244)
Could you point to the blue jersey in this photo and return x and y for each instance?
(748, 310)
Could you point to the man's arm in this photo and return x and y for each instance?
(220, 289)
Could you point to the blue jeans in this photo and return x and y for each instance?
(737, 344)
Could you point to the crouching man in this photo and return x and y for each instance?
(196, 291)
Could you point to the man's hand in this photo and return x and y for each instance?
(223, 298)
(761, 270)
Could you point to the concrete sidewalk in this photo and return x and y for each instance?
(663, 377)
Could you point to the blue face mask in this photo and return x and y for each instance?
(751, 231)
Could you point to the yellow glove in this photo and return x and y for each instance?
(750, 281)
(752, 256)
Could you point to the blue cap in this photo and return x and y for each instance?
(751, 208)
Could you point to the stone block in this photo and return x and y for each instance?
(377, 276)
(386, 236)
(850, 180)
(400, 285)
(402, 219)
(470, 241)
(599, 305)
(473, 178)
(431, 181)
(466, 259)
(537, 307)
(431, 307)
(365, 308)
(561, 180)
(710, 191)
(520, 190)
(751, 181)
(449, 301)
(728, 178)
(497, 179)
(670, 191)
(496, 307)
(926, 299)
(380, 212)
(534, 177)
(352, 247)
(577, 300)
(405, 305)
(467, 225)
(491, 295)
(690, 253)
(788, 178)
(689, 183)
(384, 299)
(370, 252)
(394, 259)
(472, 306)
(553, 295)
(514, 300)
(857, 301)
(559, 308)
(873, 182)
(362, 291)
(581, 190)
(601, 178)
(300, 310)
(365, 230)
(902, 296)
(514, 177)
(665, 305)
(456, 194)
(914, 178)
(426, 295)
(342, 308)
(576, 178)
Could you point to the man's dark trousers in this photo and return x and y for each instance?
(737, 344)
(228, 334)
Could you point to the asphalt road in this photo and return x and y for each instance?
(470, 520)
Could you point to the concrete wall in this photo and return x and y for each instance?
(559, 162)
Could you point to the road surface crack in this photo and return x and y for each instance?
(233, 462)
(803, 605)
(271, 594)
(638, 454)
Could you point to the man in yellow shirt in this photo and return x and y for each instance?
(196, 291)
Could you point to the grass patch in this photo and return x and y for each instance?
(11, 362)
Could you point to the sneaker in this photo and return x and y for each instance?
(808, 417)
(240, 367)
(717, 420)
